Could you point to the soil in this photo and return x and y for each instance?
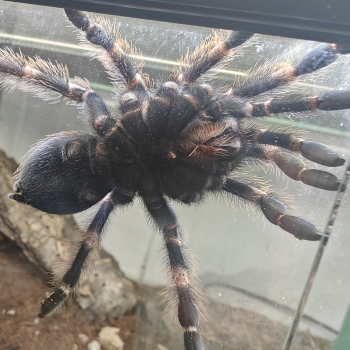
(21, 290)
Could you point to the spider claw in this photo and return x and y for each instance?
(51, 303)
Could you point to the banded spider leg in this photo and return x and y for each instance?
(183, 279)
(90, 242)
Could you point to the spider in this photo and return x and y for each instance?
(179, 141)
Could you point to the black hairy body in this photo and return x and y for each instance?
(179, 141)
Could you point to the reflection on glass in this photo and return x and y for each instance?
(252, 272)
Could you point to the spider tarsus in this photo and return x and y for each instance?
(193, 341)
(237, 38)
(334, 100)
(300, 228)
(17, 187)
(321, 154)
(321, 179)
(78, 18)
(319, 57)
(51, 303)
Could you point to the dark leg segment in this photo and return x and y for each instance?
(115, 55)
(91, 239)
(319, 57)
(180, 270)
(273, 210)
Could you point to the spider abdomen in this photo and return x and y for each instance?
(63, 174)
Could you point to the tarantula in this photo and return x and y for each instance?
(181, 141)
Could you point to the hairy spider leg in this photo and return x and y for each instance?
(31, 74)
(273, 210)
(295, 168)
(182, 276)
(202, 60)
(319, 57)
(48, 81)
(113, 55)
(328, 101)
(90, 241)
(314, 151)
(239, 108)
(291, 165)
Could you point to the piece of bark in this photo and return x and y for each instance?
(43, 238)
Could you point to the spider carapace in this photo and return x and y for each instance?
(181, 141)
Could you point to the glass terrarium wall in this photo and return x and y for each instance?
(244, 261)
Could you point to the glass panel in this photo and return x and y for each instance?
(252, 272)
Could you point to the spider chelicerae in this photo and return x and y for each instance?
(182, 140)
